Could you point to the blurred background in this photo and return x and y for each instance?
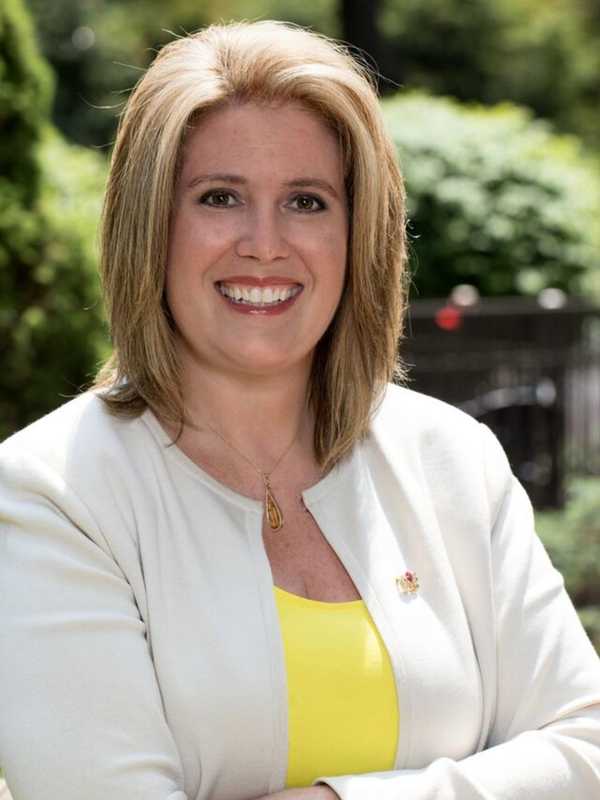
(494, 106)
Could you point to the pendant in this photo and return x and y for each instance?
(272, 510)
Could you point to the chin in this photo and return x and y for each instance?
(270, 364)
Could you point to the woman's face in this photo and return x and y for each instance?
(258, 243)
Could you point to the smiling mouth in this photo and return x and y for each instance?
(264, 296)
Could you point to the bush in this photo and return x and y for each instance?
(25, 94)
(50, 318)
(495, 199)
(50, 313)
(590, 618)
(572, 538)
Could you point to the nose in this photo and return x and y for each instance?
(262, 235)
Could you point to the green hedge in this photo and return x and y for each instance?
(495, 199)
(51, 325)
(25, 97)
(572, 538)
(50, 312)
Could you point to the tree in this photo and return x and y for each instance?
(360, 29)
(25, 91)
(545, 55)
(50, 319)
(542, 54)
(99, 48)
(443, 46)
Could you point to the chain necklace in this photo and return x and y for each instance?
(273, 511)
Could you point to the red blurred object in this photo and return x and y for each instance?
(449, 318)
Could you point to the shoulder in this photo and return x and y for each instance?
(441, 443)
(426, 413)
(84, 419)
(79, 450)
(419, 421)
(85, 468)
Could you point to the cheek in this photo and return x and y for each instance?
(328, 246)
(178, 247)
(195, 245)
(337, 257)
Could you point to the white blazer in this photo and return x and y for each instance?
(140, 651)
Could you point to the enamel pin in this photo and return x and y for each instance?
(408, 583)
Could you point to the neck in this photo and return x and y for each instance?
(260, 416)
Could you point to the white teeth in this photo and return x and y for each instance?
(258, 296)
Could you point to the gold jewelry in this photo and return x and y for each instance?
(408, 583)
(273, 512)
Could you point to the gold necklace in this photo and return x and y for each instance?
(273, 511)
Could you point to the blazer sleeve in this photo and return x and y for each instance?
(544, 742)
(80, 709)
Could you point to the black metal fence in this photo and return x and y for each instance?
(531, 373)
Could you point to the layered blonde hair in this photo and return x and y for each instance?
(260, 62)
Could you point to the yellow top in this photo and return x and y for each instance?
(343, 711)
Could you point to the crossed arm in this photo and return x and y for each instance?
(319, 792)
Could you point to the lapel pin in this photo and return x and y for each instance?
(408, 583)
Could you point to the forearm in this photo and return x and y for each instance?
(319, 792)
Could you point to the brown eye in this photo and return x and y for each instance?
(217, 198)
(307, 202)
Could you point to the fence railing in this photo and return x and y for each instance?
(531, 374)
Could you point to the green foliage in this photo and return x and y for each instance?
(99, 48)
(442, 46)
(572, 538)
(590, 619)
(50, 319)
(495, 198)
(551, 62)
(50, 314)
(535, 53)
(544, 55)
(25, 88)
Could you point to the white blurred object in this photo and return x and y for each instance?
(464, 295)
(545, 392)
(552, 298)
(83, 37)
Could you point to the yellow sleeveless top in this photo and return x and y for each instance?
(342, 705)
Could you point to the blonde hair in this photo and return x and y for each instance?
(263, 61)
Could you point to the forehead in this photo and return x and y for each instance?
(249, 137)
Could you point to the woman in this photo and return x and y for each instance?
(245, 565)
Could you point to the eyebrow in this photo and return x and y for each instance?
(296, 183)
